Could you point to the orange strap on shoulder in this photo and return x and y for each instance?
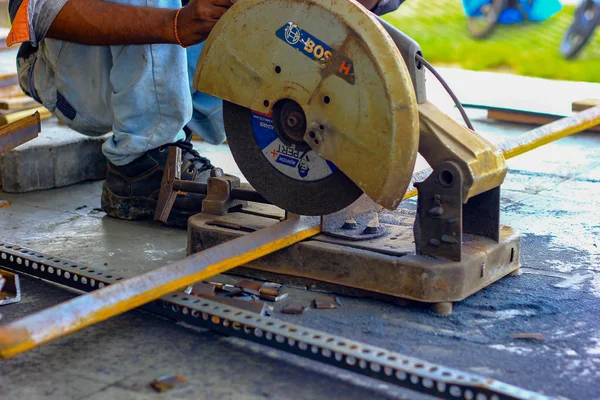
(20, 27)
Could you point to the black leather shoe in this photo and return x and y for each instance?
(131, 191)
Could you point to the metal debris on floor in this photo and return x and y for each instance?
(166, 383)
(528, 336)
(257, 307)
(294, 308)
(202, 289)
(231, 289)
(272, 292)
(244, 294)
(249, 287)
(10, 288)
(327, 302)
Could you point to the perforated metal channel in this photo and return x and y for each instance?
(358, 357)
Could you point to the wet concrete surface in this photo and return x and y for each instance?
(550, 195)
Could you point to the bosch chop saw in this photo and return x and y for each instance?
(324, 103)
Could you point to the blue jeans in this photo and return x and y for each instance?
(141, 93)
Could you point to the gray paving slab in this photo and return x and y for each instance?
(58, 157)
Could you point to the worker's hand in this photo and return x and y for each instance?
(197, 19)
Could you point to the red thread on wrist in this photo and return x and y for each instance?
(175, 30)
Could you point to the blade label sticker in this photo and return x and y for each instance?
(296, 164)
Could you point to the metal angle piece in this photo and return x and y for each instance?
(360, 358)
(294, 308)
(10, 288)
(170, 382)
(326, 302)
(202, 289)
(296, 180)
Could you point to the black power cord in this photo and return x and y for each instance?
(430, 67)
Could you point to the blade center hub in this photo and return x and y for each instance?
(290, 123)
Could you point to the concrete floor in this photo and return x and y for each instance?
(550, 195)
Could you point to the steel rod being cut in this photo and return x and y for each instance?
(39, 328)
(530, 140)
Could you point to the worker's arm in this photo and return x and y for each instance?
(96, 22)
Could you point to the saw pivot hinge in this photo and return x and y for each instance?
(442, 216)
(462, 194)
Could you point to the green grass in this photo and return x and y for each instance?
(527, 49)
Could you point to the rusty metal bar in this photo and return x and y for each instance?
(530, 140)
(360, 358)
(19, 132)
(52, 323)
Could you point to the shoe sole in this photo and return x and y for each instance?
(137, 208)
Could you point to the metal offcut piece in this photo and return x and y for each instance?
(19, 132)
(10, 288)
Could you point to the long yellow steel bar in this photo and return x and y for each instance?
(99, 305)
(531, 140)
(550, 132)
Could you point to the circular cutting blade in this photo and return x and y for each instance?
(290, 176)
(334, 83)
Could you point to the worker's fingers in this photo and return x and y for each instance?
(216, 12)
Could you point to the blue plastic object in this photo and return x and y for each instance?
(537, 11)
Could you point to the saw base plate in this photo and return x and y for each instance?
(385, 268)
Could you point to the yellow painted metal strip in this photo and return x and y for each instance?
(550, 132)
(39, 328)
(531, 140)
